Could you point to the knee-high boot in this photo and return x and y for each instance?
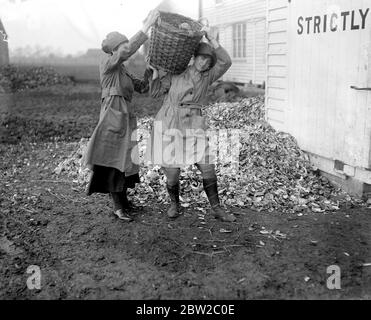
(173, 211)
(211, 189)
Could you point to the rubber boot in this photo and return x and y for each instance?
(119, 211)
(211, 189)
(173, 211)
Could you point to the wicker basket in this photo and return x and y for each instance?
(174, 40)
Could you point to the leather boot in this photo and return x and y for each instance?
(119, 211)
(211, 189)
(173, 211)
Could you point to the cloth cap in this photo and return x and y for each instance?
(206, 50)
(112, 41)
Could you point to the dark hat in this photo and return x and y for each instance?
(112, 41)
(206, 50)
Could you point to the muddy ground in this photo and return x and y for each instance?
(83, 252)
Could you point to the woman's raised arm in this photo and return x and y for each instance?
(124, 53)
(224, 61)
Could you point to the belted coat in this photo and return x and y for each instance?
(178, 137)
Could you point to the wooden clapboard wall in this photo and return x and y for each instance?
(309, 76)
(277, 64)
(327, 117)
(223, 14)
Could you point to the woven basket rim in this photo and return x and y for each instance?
(174, 30)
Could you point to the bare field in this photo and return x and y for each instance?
(81, 73)
(90, 73)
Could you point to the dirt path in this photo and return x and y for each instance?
(84, 252)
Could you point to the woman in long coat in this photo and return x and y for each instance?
(111, 150)
(179, 138)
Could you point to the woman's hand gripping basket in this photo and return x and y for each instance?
(174, 39)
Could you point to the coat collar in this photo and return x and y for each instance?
(203, 74)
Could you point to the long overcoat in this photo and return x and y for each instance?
(179, 132)
(113, 141)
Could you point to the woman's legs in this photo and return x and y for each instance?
(119, 209)
(115, 183)
(172, 175)
(116, 199)
(210, 183)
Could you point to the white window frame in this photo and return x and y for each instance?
(239, 41)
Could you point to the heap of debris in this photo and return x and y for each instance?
(272, 172)
(73, 165)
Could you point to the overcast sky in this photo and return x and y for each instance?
(73, 26)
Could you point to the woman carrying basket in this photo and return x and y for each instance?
(178, 137)
(109, 152)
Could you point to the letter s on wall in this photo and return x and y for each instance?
(301, 29)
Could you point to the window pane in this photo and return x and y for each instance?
(239, 40)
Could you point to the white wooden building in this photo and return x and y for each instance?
(241, 25)
(319, 56)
